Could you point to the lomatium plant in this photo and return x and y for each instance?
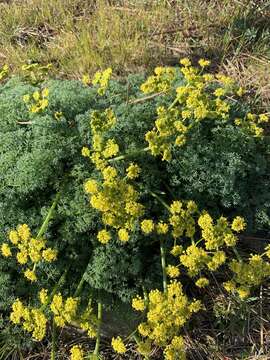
(192, 243)
(38, 101)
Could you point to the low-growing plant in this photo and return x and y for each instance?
(143, 199)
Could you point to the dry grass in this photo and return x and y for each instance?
(81, 36)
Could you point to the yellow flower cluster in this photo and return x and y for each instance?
(202, 96)
(181, 218)
(29, 249)
(76, 353)
(169, 124)
(138, 303)
(64, 311)
(176, 349)
(5, 249)
(102, 80)
(43, 296)
(118, 345)
(117, 200)
(194, 259)
(144, 347)
(176, 250)
(133, 171)
(221, 233)
(85, 151)
(186, 221)
(167, 314)
(33, 320)
(89, 322)
(38, 101)
(172, 271)
(161, 81)
(4, 72)
(247, 275)
(252, 123)
(202, 282)
(114, 197)
(35, 72)
(148, 226)
(101, 121)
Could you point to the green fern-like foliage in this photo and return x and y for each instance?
(220, 167)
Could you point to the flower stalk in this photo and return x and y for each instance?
(99, 318)
(45, 224)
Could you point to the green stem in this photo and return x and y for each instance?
(163, 265)
(45, 224)
(55, 289)
(237, 255)
(79, 287)
(53, 352)
(81, 283)
(172, 104)
(160, 200)
(131, 154)
(99, 318)
(131, 335)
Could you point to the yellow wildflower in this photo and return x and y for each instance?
(138, 303)
(45, 92)
(263, 118)
(219, 92)
(76, 353)
(30, 275)
(202, 282)
(177, 250)
(229, 286)
(162, 228)
(17, 311)
(175, 350)
(203, 63)
(57, 303)
(5, 250)
(133, 171)
(123, 235)
(24, 232)
(172, 271)
(147, 226)
(238, 224)
(49, 255)
(91, 186)
(58, 115)
(14, 237)
(104, 236)
(43, 296)
(185, 62)
(111, 149)
(176, 207)
(118, 345)
(102, 79)
(39, 322)
(243, 292)
(205, 221)
(109, 173)
(85, 151)
(22, 257)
